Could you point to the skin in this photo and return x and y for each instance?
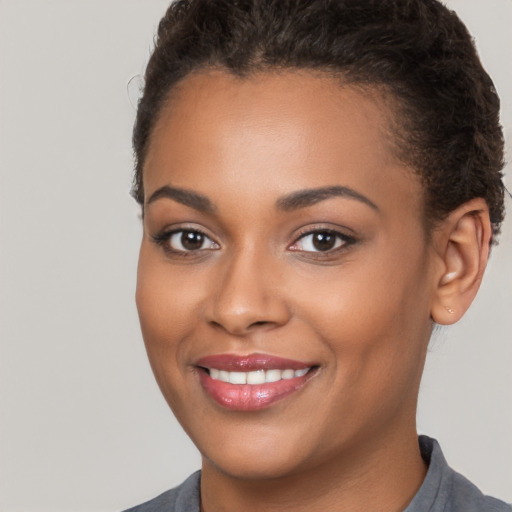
(362, 312)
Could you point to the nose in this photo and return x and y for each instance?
(248, 295)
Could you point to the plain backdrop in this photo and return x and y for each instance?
(82, 424)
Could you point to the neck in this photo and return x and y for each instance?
(383, 475)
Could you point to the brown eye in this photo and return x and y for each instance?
(192, 240)
(189, 240)
(321, 241)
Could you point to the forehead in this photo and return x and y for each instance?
(294, 129)
(292, 104)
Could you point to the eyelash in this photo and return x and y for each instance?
(164, 239)
(342, 242)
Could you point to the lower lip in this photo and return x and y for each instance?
(250, 397)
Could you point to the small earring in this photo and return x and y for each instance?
(449, 310)
(448, 277)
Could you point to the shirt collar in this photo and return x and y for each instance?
(435, 488)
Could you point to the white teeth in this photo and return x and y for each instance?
(288, 374)
(237, 377)
(273, 375)
(223, 376)
(256, 376)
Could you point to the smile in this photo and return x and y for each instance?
(257, 376)
(251, 383)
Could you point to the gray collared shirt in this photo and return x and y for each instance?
(443, 490)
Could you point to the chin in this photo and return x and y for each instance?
(259, 456)
(254, 468)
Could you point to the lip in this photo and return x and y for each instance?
(251, 362)
(251, 397)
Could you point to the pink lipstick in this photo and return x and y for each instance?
(252, 382)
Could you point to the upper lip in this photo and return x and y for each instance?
(251, 362)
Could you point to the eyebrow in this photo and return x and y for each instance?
(183, 196)
(293, 201)
(309, 197)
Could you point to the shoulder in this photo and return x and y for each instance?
(445, 490)
(184, 498)
(468, 498)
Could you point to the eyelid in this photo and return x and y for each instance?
(347, 240)
(163, 238)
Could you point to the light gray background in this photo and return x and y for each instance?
(82, 424)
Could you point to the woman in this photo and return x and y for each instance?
(320, 184)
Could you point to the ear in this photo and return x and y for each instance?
(462, 243)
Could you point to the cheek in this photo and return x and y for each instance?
(377, 345)
(165, 306)
(167, 295)
(365, 301)
(373, 317)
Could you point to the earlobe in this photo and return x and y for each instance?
(462, 242)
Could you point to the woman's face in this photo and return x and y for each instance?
(283, 251)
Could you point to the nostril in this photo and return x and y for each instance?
(261, 324)
(240, 329)
(255, 324)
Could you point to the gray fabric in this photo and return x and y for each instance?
(443, 490)
(184, 498)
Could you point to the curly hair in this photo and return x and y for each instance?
(447, 109)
